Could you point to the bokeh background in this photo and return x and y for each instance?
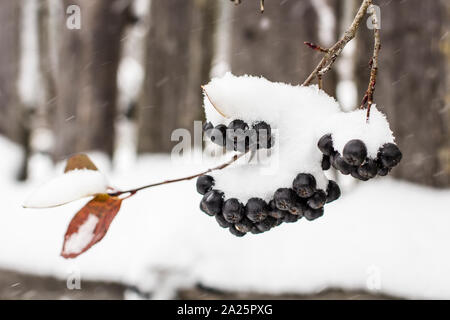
(117, 87)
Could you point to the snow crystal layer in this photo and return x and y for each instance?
(73, 185)
(79, 240)
(299, 117)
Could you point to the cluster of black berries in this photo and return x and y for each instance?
(238, 136)
(354, 160)
(257, 216)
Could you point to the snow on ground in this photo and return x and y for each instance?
(384, 234)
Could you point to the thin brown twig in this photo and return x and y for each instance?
(219, 167)
(315, 47)
(261, 4)
(213, 104)
(368, 97)
(332, 53)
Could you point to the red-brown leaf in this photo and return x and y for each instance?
(79, 161)
(90, 225)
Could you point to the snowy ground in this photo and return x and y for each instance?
(382, 235)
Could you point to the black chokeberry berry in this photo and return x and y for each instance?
(263, 134)
(325, 145)
(211, 203)
(233, 210)
(318, 199)
(326, 162)
(390, 155)
(237, 137)
(383, 171)
(244, 226)
(204, 184)
(222, 222)
(333, 191)
(283, 198)
(355, 152)
(256, 209)
(218, 135)
(298, 206)
(291, 218)
(236, 232)
(255, 230)
(340, 164)
(275, 212)
(304, 185)
(238, 125)
(266, 224)
(313, 214)
(369, 169)
(355, 174)
(207, 127)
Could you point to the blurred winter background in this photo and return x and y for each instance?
(117, 88)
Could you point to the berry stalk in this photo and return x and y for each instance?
(219, 167)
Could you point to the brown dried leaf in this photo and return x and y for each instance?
(90, 225)
(79, 161)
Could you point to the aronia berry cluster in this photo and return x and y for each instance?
(257, 216)
(238, 136)
(354, 160)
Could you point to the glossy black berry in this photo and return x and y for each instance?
(275, 212)
(266, 224)
(333, 191)
(340, 164)
(355, 174)
(263, 134)
(222, 222)
(233, 210)
(256, 209)
(326, 162)
(355, 152)
(283, 198)
(383, 171)
(255, 230)
(204, 184)
(298, 206)
(207, 127)
(291, 218)
(304, 185)
(236, 232)
(211, 203)
(313, 214)
(238, 125)
(390, 155)
(218, 135)
(244, 226)
(237, 137)
(369, 169)
(325, 145)
(318, 200)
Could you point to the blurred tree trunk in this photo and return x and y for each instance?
(413, 85)
(271, 44)
(178, 60)
(87, 77)
(9, 69)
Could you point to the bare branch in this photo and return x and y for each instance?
(315, 47)
(220, 167)
(368, 97)
(332, 53)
